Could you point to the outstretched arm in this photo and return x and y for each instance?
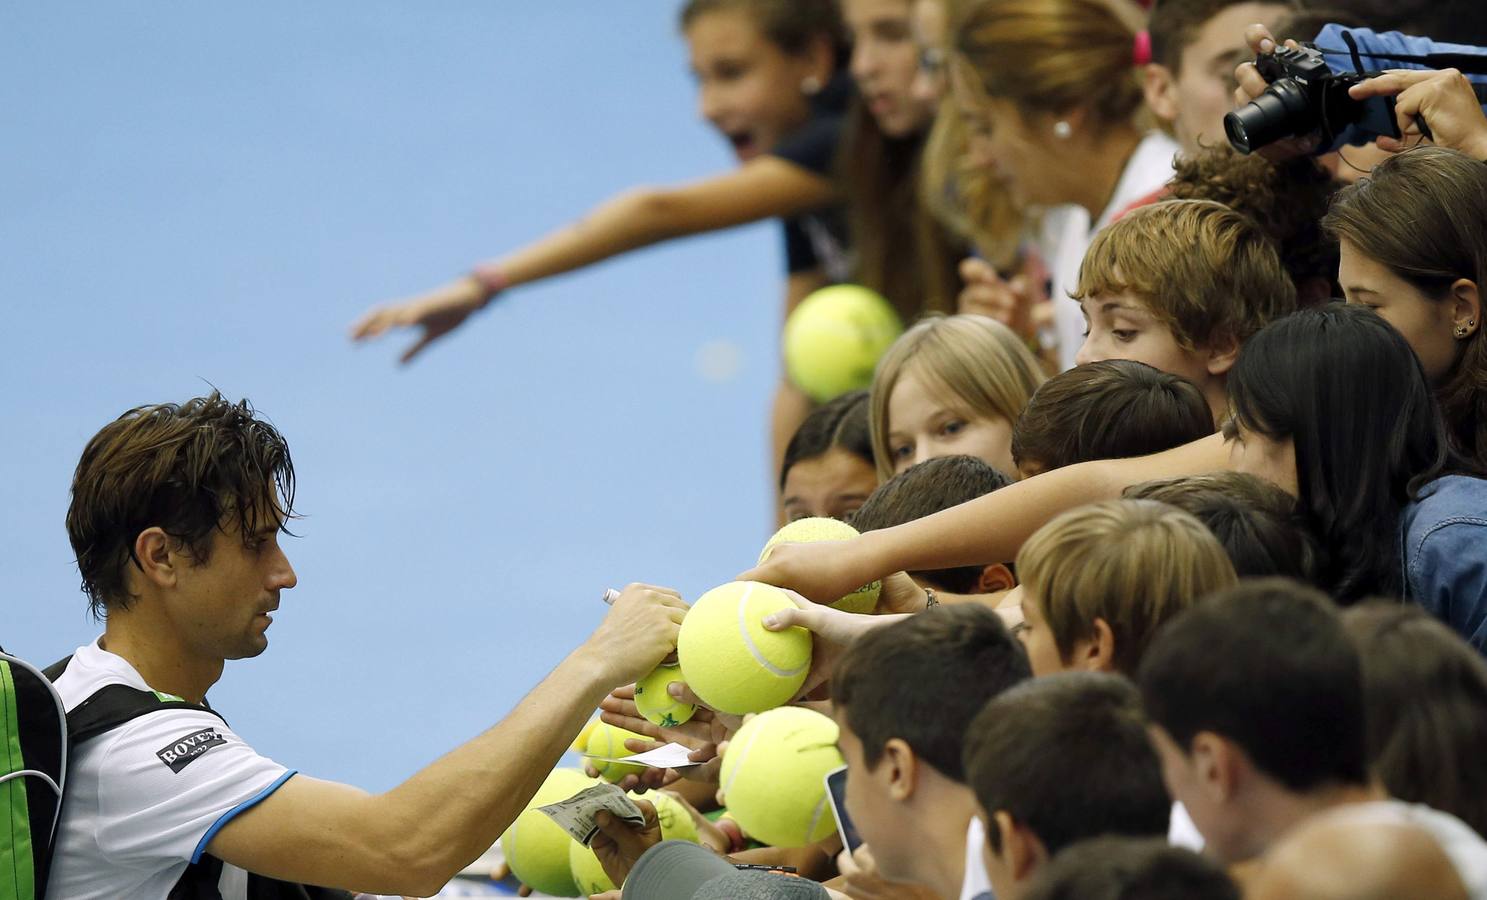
(414, 838)
(764, 187)
(988, 529)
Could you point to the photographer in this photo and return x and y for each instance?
(1444, 101)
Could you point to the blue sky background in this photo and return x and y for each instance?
(203, 193)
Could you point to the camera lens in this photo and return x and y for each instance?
(1281, 112)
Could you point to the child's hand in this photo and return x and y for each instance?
(833, 630)
(824, 571)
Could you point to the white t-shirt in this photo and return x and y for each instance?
(1182, 832)
(1067, 233)
(976, 882)
(145, 799)
(1463, 846)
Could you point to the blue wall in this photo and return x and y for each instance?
(195, 194)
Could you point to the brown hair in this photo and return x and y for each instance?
(973, 360)
(1425, 693)
(1108, 410)
(924, 489)
(1054, 56)
(1134, 563)
(1419, 214)
(1207, 272)
(1258, 524)
(968, 200)
(791, 25)
(1068, 757)
(902, 251)
(1286, 200)
(186, 468)
(1175, 24)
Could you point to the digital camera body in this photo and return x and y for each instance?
(1306, 97)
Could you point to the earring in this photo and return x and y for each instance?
(1062, 130)
(1463, 330)
(810, 85)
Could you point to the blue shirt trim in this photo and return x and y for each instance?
(201, 846)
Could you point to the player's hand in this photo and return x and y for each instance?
(1443, 99)
(619, 844)
(438, 312)
(832, 629)
(823, 571)
(1011, 301)
(1252, 84)
(639, 631)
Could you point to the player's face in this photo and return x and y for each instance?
(225, 604)
(747, 86)
(885, 65)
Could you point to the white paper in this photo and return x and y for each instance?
(671, 756)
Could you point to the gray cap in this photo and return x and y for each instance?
(679, 870)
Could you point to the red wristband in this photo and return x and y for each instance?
(491, 278)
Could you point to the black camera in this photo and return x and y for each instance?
(1306, 97)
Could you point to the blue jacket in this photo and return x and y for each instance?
(1380, 44)
(1444, 536)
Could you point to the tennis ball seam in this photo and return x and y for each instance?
(743, 756)
(748, 639)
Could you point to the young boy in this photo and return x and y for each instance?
(924, 490)
(904, 696)
(1099, 580)
(1057, 760)
(1255, 698)
(1107, 410)
(1195, 45)
(1255, 521)
(1180, 285)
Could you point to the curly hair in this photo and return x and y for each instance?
(1286, 201)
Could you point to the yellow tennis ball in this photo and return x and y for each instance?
(653, 702)
(728, 658)
(773, 776)
(676, 824)
(535, 847)
(582, 741)
(820, 528)
(607, 740)
(834, 338)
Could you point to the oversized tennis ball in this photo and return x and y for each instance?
(607, 740)
(773, 776)
(582, 741)
(730, 661)
(535, 847)
(821, 528)
(653, 702)
(834, 338)
(676, 824)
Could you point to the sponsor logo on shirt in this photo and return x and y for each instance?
(182, 751)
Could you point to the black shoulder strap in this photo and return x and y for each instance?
(113, 705)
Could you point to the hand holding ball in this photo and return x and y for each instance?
(654, 703)
(728, 658)
(818, 528)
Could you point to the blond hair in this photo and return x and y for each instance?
(1206, 271)
(1133, 563)
(967, 199)
(974, 360)
(1053, 56)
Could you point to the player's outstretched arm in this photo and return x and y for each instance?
(762, 188)
(988, 529)
(414, 838)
